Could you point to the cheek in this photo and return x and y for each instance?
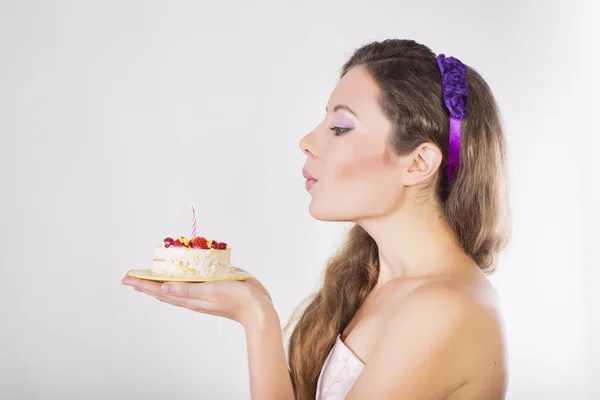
(356, 183)
(362, 164)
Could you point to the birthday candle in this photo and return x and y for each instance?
(193, 221)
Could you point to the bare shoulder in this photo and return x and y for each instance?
(465, 317)
(442, 340)
(451, 304)
(463, 324)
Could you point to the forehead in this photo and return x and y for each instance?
(358, 90)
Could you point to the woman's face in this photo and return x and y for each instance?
(355, 177)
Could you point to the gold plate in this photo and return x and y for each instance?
(147, 274)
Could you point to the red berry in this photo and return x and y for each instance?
(199, 243)
(177, 243)
(222, 246)
(168, 242)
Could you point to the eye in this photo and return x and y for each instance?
(339, 131)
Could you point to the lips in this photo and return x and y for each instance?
(310, 181)
(307, 176)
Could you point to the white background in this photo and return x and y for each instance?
(115, 115)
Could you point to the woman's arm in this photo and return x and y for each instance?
(248, 303)
(269, 374)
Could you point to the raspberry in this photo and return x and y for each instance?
(218, 245)
(199, 243)
(177, 243)
(168, 242)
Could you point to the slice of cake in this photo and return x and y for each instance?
(198, 258)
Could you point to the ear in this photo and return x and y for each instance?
(424, 162)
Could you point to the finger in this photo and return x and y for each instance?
(199, 291)
(130, 280)
(160, 290)
(191, 304)
(175, 301)
(148, 286)
(154, 289)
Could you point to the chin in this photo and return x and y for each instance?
(330, 214)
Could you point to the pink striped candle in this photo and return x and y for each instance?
(193, 221)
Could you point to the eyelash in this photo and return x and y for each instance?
(338, 131)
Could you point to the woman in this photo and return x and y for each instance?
(412, 151)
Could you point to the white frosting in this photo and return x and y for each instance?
(187, 262)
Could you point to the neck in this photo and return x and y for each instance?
(415, 242)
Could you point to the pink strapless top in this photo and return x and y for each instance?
(340, 370)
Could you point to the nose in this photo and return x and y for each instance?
(306, 145)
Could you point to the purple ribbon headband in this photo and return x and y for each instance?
(455, 90)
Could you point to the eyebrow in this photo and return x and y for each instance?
(342, 107)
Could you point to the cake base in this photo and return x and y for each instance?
(235, 275)
(191, 263)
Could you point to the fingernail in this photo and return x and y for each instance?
(166, 287)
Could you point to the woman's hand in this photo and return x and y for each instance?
(239, 301)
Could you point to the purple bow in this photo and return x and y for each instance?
(455, 90)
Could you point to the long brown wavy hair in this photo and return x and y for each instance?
(474, 203)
